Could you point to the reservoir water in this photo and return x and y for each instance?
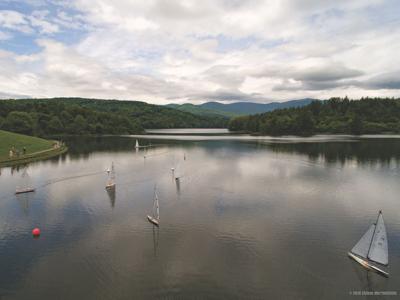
(249, 218)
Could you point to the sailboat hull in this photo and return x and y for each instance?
(367, 265)
(23, 191)
(152, 220)
(110, 186)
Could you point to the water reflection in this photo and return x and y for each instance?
(383, 151)
(23, 200)
(331, 149)
(178, 185)
(252, 220)
(111, 195)
(369, 281)
(156, 237)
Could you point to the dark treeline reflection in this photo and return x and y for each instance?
(84, 145)
(81, 146)
(383, 151)
(374, 150)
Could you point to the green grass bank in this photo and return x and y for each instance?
(35, 148)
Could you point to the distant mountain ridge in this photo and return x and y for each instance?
(238, 108)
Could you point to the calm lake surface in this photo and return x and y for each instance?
(250, 218)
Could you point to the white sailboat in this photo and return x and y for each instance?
(177, 172)
(111, 178)
(155, 217)
(373, 247)
(26, 186)
(137, 145)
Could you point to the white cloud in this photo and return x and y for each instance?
(10, 19)
(166, 51)
(37, 19)
(13, 20)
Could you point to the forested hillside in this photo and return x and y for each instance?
(92, 116)
(202, 111)
(337, 115)
(251, 108)
(236, 109)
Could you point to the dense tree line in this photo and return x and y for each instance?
(336, 116)
(91, 116)
(152, 116)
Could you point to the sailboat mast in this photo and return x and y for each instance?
(112, 171)
(25, 179)
(158, 208)
(154, 202)
(373, 234)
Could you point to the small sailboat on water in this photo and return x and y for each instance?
(373, 247)
(177, 172)
(137, 145)
(155, 217)
(26, 186)
(111, 178)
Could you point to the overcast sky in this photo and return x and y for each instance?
(176, 51)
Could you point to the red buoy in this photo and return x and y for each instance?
(36, 232)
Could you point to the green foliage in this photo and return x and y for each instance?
(238, 124)
(55, 125)
(90, 116)
(80, 125)
(356, 125)
(304, 123)
(20, 122)
(339, 116)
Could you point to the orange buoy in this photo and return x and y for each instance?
(36, 232)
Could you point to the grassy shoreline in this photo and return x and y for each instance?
(33, 157)
(35, 149)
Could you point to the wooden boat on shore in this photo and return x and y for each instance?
(155, 217)
(372, 248)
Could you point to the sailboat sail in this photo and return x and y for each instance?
(156, 207)
(362, 247)
(155, 217)
(111, 177)
(112, 172)
(378, 251)
(137, 144)
(372, 247)
(25, 179)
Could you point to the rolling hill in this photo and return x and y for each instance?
(237, 108)
(42, 117)
(203, 111)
